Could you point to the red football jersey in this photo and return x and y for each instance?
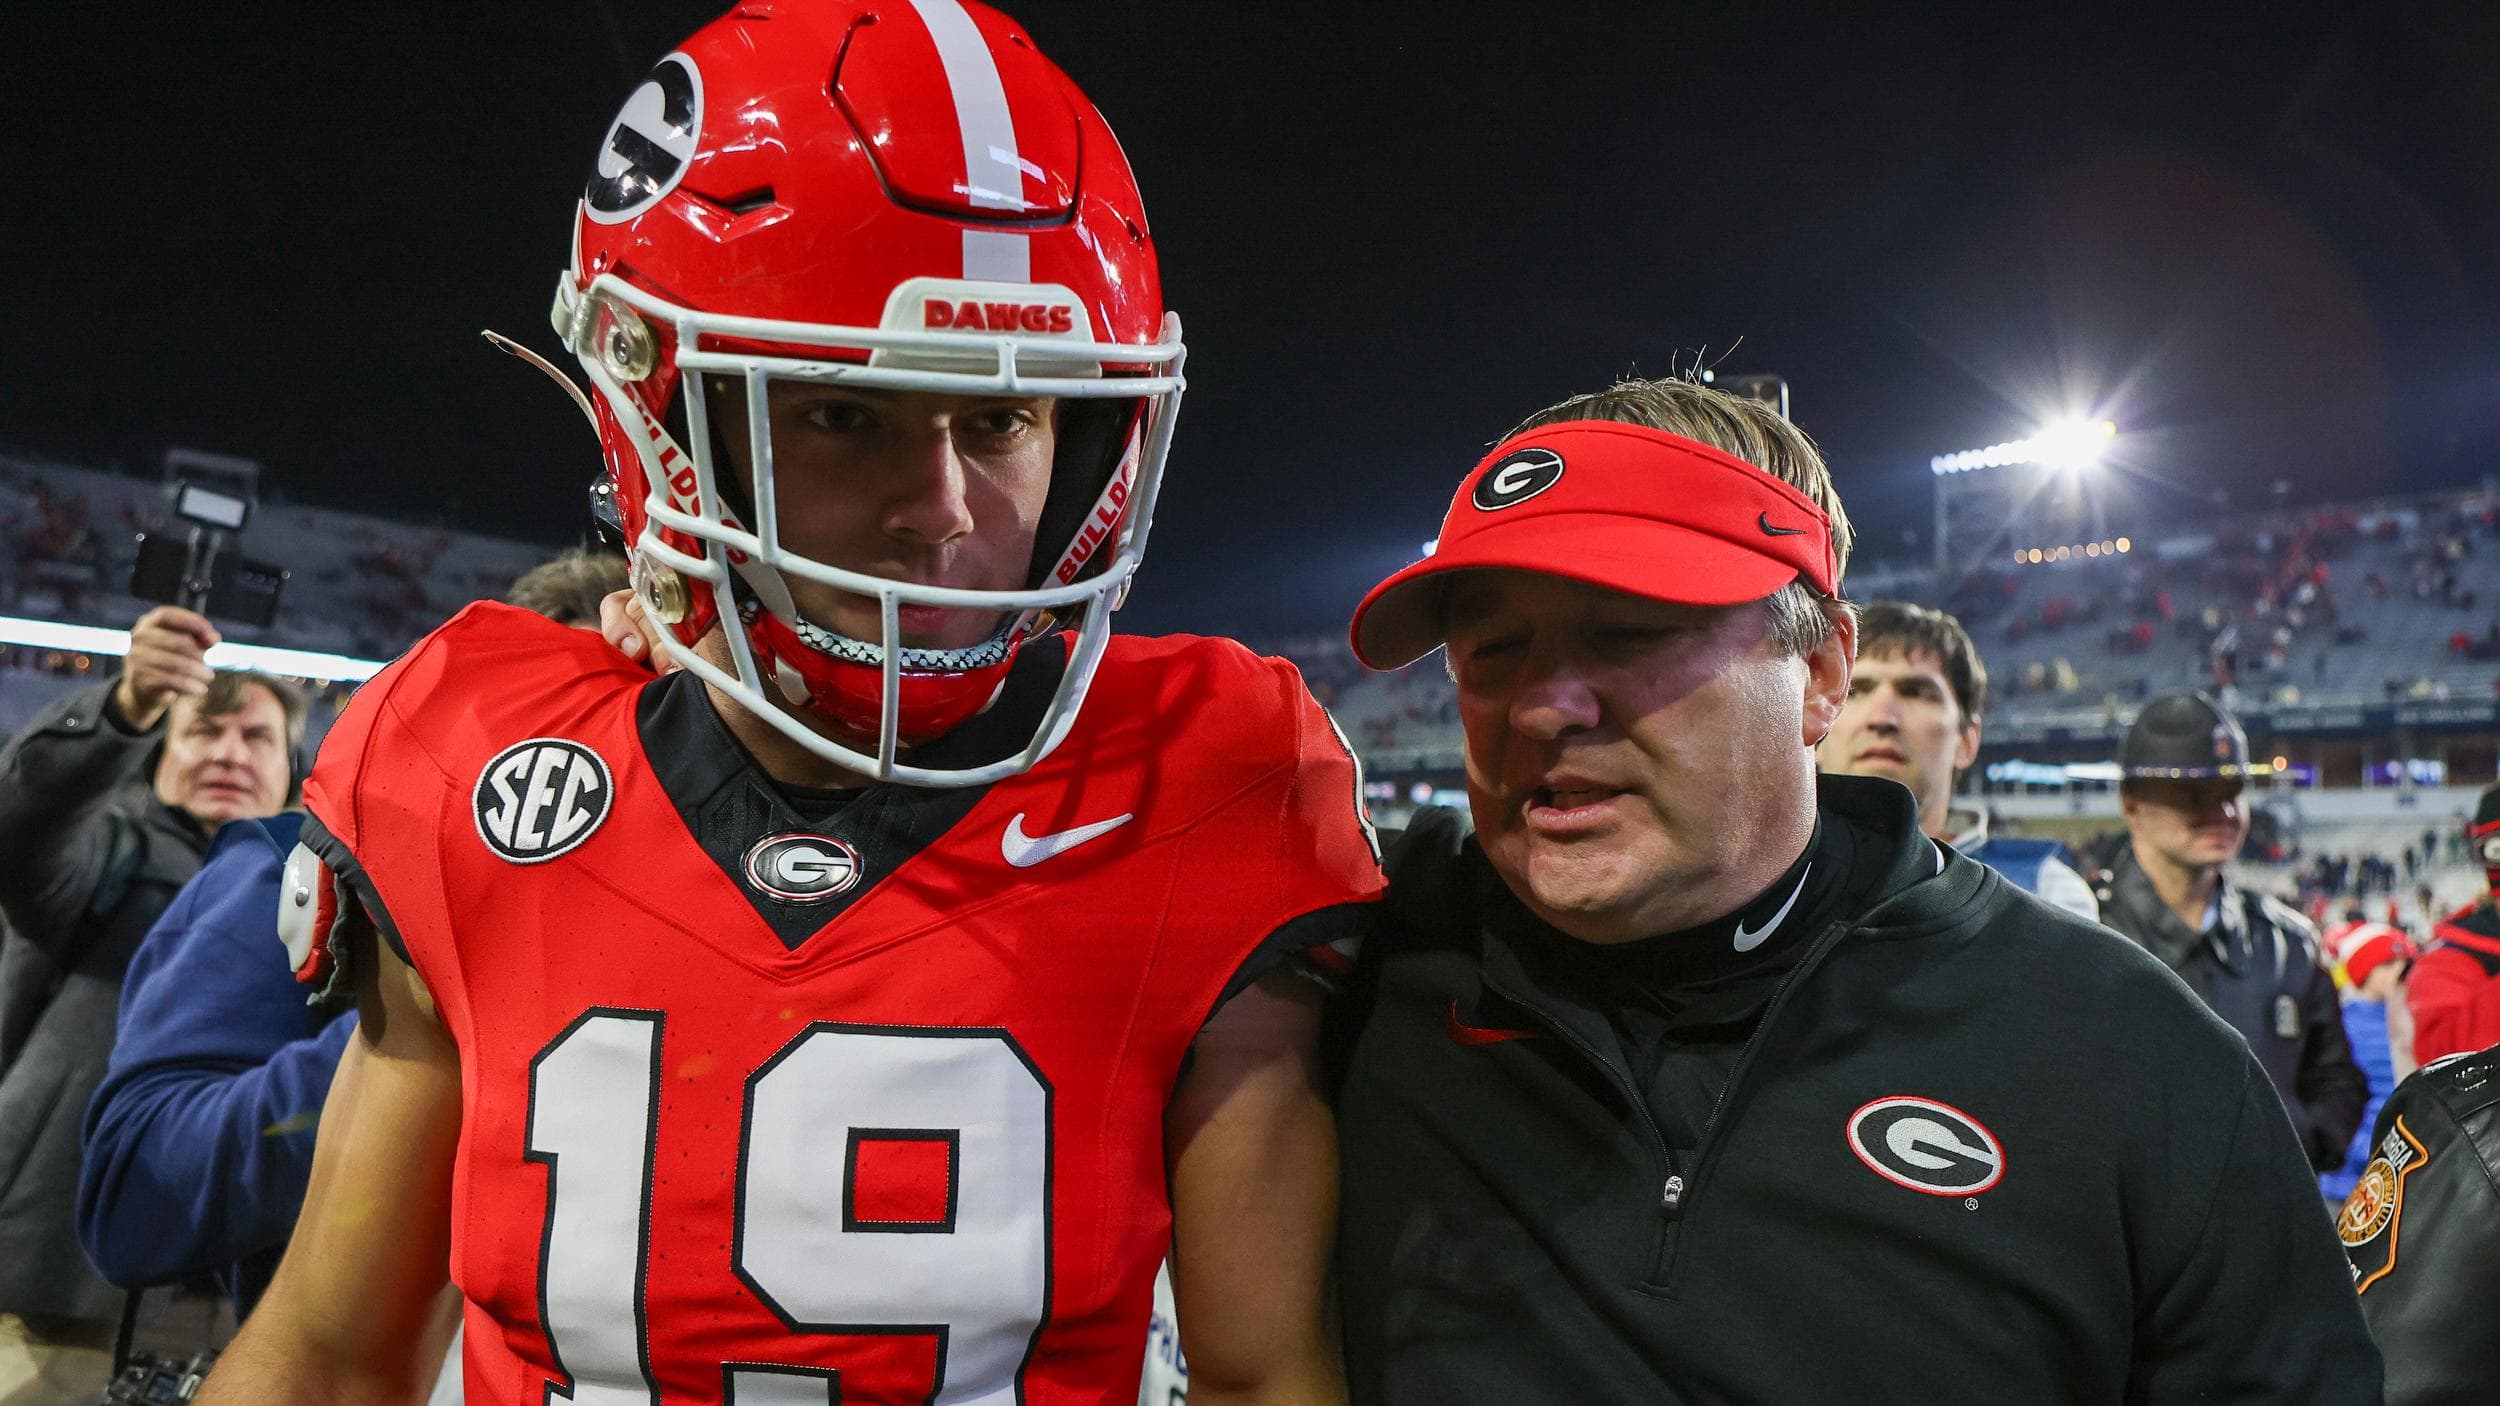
(915, 1157)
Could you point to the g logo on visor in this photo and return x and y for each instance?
(1516, 478)
(1926, 1146)
(649, 144)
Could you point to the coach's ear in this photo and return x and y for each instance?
(1827, 674)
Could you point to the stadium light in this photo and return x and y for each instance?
(2073, 444)
(2066, 444)
(293, 663)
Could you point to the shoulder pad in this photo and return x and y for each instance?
(1232, 713)
(488, 664)
(311, 901)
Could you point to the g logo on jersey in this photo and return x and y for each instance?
(802, 868)
(648, 145)
(540, 798)
(1516, 478)
(1926, 1146)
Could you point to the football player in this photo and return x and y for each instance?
(844, 1016)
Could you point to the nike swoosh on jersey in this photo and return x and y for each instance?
(1747, 939)
(1024, 851)
(1463, 1033)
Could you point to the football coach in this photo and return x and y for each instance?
(1680, 1075)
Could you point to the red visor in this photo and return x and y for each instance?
(1621, 506)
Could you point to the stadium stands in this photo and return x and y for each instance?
(358, 585)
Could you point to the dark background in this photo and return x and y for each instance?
(2265, 239)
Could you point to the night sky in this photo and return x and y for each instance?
(2265, 239)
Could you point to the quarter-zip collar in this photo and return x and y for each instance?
(1884, 879)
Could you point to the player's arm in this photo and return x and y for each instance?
(353, 1315)
(1254, 1201)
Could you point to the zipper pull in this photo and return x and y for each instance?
(1674, 1196)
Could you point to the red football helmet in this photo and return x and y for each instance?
(889, 194)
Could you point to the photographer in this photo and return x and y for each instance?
(107, 804)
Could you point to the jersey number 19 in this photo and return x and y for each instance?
(890, 1180)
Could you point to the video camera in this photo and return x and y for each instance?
(146, 1381)
(198, 569)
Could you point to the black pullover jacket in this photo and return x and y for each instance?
(1973, 1149)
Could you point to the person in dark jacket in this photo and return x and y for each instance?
(2422, 1227)
(107, 802)
(1671, 1074)
(199, 1143)
(2184, 763)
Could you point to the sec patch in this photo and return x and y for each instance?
(541, 798)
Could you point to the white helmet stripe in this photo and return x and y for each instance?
(993, 172)
(993, 175)
(998, 256)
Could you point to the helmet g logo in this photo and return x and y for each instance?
(649, 143)
(1926, 1146)
(540, 798)
(1517, 478)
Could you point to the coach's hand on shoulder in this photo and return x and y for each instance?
(168, 659)
(627, 625)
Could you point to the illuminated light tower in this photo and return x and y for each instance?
(1982, 494)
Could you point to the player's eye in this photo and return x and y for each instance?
(838, 416)
(1003, 421)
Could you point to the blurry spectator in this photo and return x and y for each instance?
(1913, 715)
(2254, 960)
(107, 804)
(2455, 991)
(199, 1144)
(568, 589)
(2369, 963)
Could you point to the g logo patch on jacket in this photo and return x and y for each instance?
(1926, 1146)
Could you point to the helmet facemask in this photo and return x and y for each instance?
(707, 550)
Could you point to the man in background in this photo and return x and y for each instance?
(2455, 991)
(2184, 766)
(569, 588)
(107, 803)
(1916, 695)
